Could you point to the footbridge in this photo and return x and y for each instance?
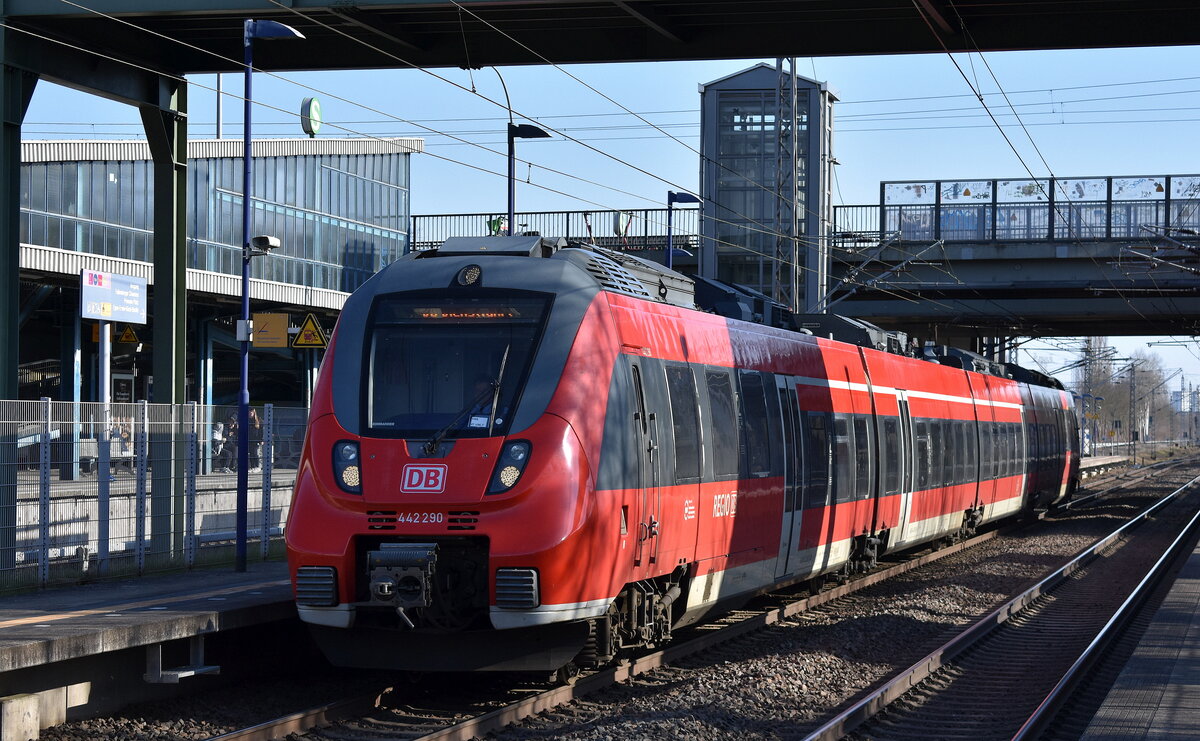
(1116, 255)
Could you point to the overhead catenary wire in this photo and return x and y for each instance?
(757, 228)
(739, 225)
(508, 108)
(762, 227)
(608, 98)
(1033, 143)
(280, 110)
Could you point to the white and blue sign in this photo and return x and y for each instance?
(112, 298)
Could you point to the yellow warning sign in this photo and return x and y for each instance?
(310, 334)
(270, 330)
(129, 336)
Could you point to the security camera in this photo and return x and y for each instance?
(265, 242)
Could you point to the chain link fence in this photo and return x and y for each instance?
(89, 490)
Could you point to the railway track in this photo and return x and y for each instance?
(1008, 674)
(387, 717)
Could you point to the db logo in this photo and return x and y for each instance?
(428, 478)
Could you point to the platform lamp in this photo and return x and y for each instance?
(517, 131)
(252, 30)
(672, 199)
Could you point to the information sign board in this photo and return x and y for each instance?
(270, 330)
(112, 298)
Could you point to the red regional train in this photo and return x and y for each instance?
(526, 455)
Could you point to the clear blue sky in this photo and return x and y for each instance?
(900, 118)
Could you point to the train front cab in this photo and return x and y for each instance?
(441, 497)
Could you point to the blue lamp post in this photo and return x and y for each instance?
(252, 30)
(672, 199)
(517, 131)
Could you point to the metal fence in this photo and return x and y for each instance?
(1068, 209)
(636, 229)
(90, 490)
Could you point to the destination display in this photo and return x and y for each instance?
(112, 298)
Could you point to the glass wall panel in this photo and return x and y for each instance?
(338, 221)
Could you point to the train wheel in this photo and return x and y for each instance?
(567, 674)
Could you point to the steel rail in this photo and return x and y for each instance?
(1134, 479)
(1054, 701)
(869, 706)
(304, 720)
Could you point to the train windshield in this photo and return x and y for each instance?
(451, 366)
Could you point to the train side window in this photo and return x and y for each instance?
(954, 453)
(862, 458)
(944, 451)
(723, 424)
(954, 442)
(987, 456)
(1001, 442)
(754, 423)
(774, 422)
(843, 459)
(1014, 445)
(889, 457)
(1005, 440)
(964, 452)
(798, 438)
(682, 390)
(937, 453)
(921, 443)
(816, 457)
(971, 430)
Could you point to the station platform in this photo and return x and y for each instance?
(76, 650)
(1095, 465)
(1157, 695)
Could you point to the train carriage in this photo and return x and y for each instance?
(523, 454)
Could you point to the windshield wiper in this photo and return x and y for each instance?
(432, 446)
(493, 389)
(496, 388)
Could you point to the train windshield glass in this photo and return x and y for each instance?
(436, 363)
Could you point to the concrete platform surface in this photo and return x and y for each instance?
(79, 621)
(1157, 695)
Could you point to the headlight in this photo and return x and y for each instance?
(345, 466)
(513, 457)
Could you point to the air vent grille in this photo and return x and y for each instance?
(316, 586)
(381, 520)
(517, 589)
(462, 520)
(613, 277)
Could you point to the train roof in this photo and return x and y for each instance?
(622, 272)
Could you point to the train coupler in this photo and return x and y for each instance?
(401, 576)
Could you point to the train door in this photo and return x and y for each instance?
(793, 507)
(649, 483)
(905, 461)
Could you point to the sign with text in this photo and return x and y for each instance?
(112, 298)
(270, 330)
